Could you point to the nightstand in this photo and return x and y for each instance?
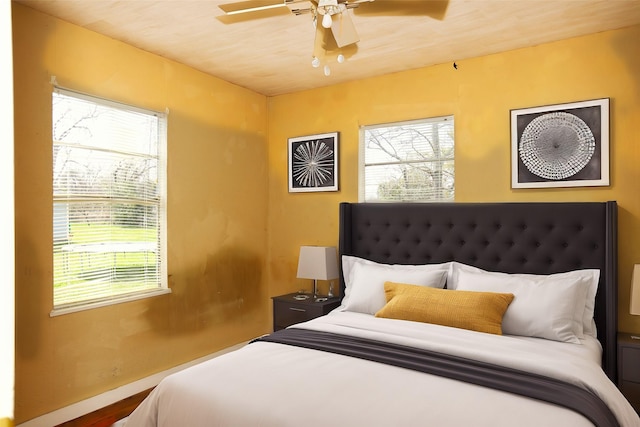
(287, 310)
(629, 368)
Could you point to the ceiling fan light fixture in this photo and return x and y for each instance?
(315, 62)
(327, 71)
(340, 59)
(327, 21)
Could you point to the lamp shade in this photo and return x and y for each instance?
(318, 263)
(635, 291)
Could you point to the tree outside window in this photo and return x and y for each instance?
(408, 161)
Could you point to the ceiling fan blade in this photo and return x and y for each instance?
(322, 44)
(344, 32)
(251, 6)
(258, 14)
(318, 49)
(433, 8)
(325, 47)
(258, 9)
(252, 9)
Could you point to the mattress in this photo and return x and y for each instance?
(270, 384)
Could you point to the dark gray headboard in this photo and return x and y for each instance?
(537, 238)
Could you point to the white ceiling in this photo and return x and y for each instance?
(272, 55)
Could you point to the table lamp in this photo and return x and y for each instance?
(317, 263)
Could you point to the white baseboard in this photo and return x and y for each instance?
(87, 406)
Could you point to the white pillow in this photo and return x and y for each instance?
(584, 300)
(348, 262)
(364, 281)
(545, 308)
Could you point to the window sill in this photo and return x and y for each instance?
(116, 300)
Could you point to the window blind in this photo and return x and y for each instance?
(108, 199)
(408, 161)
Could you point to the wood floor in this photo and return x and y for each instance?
(105, 417)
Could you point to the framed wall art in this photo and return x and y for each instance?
(563, 145)
(313, 163)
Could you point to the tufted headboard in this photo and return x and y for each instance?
(537, 238)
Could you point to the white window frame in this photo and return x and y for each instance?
(162, 288)
(362, 165)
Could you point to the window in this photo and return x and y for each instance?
(407, 161)
(109, 194)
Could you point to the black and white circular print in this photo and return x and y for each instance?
(556, 146)
(313, 163)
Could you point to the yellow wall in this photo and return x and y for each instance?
(7, 256)
(480, 94)
(234, 230)
(217, 199)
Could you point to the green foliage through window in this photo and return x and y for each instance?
(108, 198)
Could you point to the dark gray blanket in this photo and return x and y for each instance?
(480, 373)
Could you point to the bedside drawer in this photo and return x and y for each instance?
(286, 314)
(629, 368)
(630, 364)
(632, 392)
(287, 310)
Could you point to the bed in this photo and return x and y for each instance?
(460, 314)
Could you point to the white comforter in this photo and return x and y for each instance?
(267, 384)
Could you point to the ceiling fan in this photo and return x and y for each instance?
(336, 35)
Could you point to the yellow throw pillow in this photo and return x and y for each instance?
(477, 311)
